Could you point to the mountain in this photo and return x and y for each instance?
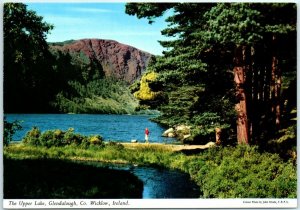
(118, 60)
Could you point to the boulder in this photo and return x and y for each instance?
(169, 131)
(186, 136)
(183, 132)
(171, 135)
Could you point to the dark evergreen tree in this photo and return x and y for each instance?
(213, 40)
(25, 66)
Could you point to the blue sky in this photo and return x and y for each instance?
(102, 21)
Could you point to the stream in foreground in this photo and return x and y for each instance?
(160, 183)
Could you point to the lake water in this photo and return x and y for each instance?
(122, 128)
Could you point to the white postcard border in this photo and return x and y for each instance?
(147, 203)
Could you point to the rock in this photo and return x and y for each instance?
(210, 144)
(171, 135)
(167, 132)
(118, 60)
(183, 132)
(186, 136)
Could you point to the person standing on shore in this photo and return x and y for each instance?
(147, 132)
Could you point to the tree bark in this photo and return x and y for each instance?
(276, 83)
(241, 105)
(218, 136)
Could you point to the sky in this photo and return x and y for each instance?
(101, 21)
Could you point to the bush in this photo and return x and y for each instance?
(32, 137)
(115, 145)
(58, 138)
(242, 172)
(145, 92)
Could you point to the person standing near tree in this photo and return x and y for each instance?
(147, 132)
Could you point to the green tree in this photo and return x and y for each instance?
(10, 129)
(236, 53)
(25, 66)
(191, 75)
(253, 29)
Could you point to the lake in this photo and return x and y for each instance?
(121, 128)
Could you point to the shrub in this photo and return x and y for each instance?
(115, 145)
(145, 92)
(58, 138)
(96, 140)
(32, 136)
(242, 172)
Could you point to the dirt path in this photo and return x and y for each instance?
(172, 147)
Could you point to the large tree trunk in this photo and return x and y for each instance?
(257, 93)
(241, 108)
(276, 83)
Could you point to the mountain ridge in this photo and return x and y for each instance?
(118, 60)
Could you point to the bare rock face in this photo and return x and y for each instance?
(118, 60)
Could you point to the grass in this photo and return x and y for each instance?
(229, 172)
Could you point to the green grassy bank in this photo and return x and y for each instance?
(221, 172)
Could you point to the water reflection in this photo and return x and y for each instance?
(161, 183)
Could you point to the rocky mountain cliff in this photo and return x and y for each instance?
(121, 61)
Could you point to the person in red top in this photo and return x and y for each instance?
(147, 132)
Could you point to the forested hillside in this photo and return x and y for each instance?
(84, 76)
(232, 66)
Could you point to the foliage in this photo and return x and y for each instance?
(243, 172)
(192, 83)
(202, 53)
(9, 130)
(84, 89)
(105, 95)
(59, 138)
(61, 43)
(285, 144)
(147, 89)
(54, 179)
(221, 172)
(234, 22)
(205, 125)
(183, 100)
(26, 57)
